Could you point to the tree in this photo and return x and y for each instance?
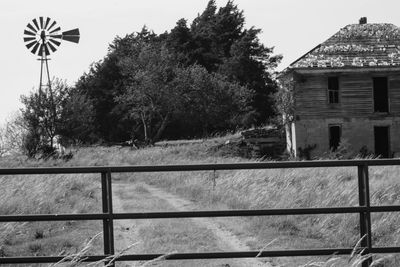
(284, 104)
(223, 45)
(212, 103)
(12, 134)
(204, 52)
(42, 116)
(251, 64)
(77, 116)
(135, 91)
(149, 95)
(180, 41)
(104, 83)
(99, 85)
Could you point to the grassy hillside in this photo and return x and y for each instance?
(321, 187)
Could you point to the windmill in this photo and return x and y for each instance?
(42, 36)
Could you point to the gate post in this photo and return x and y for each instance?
(365, 217)
(110, 212)
(104, 201)
(108, 229)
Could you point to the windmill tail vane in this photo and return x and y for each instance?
(42, 37)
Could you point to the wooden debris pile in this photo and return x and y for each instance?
(255, 143)
(264, 142)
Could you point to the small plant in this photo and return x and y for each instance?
(39, 234)
(343, 151)
(35, 248)
(67, 156)
(365, 152)
(2, 252)
(305, 153)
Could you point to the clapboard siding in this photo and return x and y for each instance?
(356, 96)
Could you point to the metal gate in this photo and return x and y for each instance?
(108, 216)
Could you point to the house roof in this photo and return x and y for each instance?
(355, 46)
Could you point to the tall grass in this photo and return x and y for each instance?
(46, 194)
(311, 187)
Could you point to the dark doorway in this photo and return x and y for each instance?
(381, 141)
(334, 136)
(381, 103)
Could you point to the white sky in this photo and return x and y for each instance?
(292, 26)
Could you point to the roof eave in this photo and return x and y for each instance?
(307, 70)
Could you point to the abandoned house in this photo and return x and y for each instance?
(347, 89)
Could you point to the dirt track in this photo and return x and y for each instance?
(126, 232)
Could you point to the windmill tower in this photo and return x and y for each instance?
(42, 36)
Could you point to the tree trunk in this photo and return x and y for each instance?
(144, 127)
(162, 128)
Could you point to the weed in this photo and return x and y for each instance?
(35, 248)
(3, 252)
(39, 234)
(141, 189)
(287, 226)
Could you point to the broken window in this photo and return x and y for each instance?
(381, 101)
(335, 133)
(333, 90)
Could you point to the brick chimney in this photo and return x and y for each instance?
(363, 20)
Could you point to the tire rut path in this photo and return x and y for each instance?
(226, 240)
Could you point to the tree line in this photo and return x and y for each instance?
(210, 75)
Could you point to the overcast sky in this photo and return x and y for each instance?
(293, 27)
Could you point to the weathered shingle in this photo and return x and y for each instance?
(356, 45)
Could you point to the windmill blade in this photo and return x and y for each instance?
(46, 49)
(57, 43)
(55, 30)
(47, 22)
(31, 27)
(71, 38)
(27, 39)
(52, 25)
(57, 36)
(29, 33)
(36, 24)
(41, 22)
(52, 47)
(34, 49)
(71, 32)
(31, 44)
(71, 35)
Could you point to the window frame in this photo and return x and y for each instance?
(333, 94)
(388, 95)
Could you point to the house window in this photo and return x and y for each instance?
(333, 90)
(381, 100)
(335, 132)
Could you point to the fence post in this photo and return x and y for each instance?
(104, 201)
(108, 229)
(365, 217)
(110, 212)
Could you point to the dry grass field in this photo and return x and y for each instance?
(324, 187)
(44, 194)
